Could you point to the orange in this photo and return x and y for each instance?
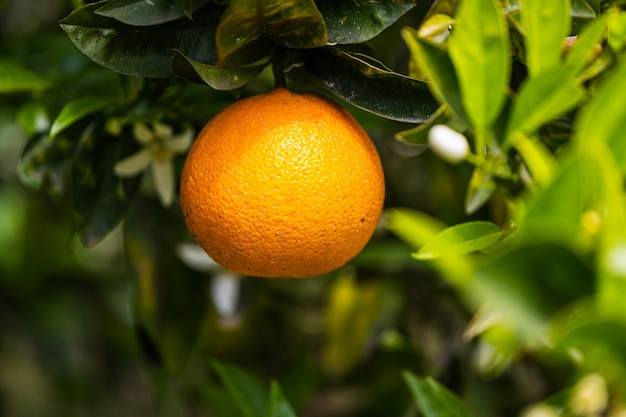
(282, 185)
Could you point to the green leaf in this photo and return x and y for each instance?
(76, 110)
(33, 118)
(171, 314)
(359, 21)
(101, 199)
(461, 239)
(532, 282)
(546, 24)
(278, 406)
(139, 51)
(603, 118)
(479, 190)
(437, 66)
(479, 49)
(248, 28)
(419, 134)
(414, 227)
(617, 29)
(217, 78)
(249, 395)
(44, 159)
(146, 13)
(587, 44)
(543, 98)
(15, 78)
(376, 90)
(433, 399)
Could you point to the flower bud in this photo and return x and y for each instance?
(448, 144)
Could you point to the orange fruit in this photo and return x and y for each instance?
(282, 185)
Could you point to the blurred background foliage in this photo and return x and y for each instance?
(524, 319)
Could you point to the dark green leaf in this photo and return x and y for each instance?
(360, 21)
(171, 312)
(101, 199)
(249, 27)
(249, 395)
(217, 78)
(483, 64)
(437, 66)
(461, 239)
(278, 405)
(433, 399)
(139, 51)
(46, 159)
(15, 78)
(146, 13)
(368, 87)
(76, 110)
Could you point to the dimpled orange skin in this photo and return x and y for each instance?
(282, 185)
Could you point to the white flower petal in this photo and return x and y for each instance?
(163, 173)
(180, 143)
(162, 131)
(196, 258)
(142, 133)
(225, 288)
(134, 164)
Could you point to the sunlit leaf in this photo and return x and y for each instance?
(483, 64)
(540, 162)
(479, 190)
(587, 44)
(217, 78)
(460, 239)
(278, 406)
(546, 24)
(433, 399)
(603, 118)
(360, 21)
(542, 98)
(527, 285)
(249, 27)
(75, 110)
(437, 66)
(146, 13)
(617, 29)
(417, 228)
(14, 77)
(250, 396)
(139, 51)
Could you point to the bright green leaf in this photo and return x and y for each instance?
(461, 239)
(249, 27)
(546, 24)
(543, 98)
(146, 13)
(479, 49)
(15, 78)
(359, 21)
(603, 118)
(278, 406)
(479, 190)
(76, 110)
(362, 84)
(587, 44)
(537, 158)
(433, 399)
(249, 395)
(437, 66)
(617, 29)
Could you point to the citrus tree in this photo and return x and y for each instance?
(494, 284)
